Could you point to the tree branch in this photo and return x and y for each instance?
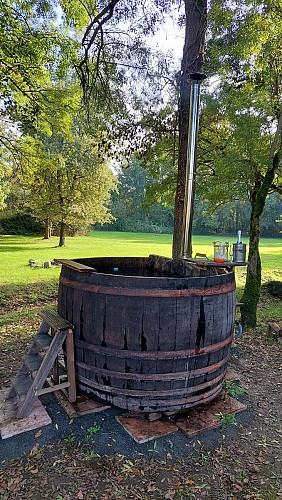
(100, 19)
(276, 137)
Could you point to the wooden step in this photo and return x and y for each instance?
(42, 373)
(33, 361)
(53, 333)
(55, 320)
(42, 340)
(21, 383)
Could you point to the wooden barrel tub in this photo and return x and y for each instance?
(151, 334)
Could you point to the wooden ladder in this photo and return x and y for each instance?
(42, 356)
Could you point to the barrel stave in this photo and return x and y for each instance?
(149, 312)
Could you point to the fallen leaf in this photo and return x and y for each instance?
(170, 495)
(151, 487)
(34, 450)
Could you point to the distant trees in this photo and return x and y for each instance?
(52, 163)
(137, 206)
(133, 208)
(65, 182)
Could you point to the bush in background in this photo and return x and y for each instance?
(20, 223)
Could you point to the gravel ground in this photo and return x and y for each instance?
(111, 438)
(92, 457)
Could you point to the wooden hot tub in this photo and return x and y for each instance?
(151, 334)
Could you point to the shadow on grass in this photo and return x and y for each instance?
(31, 249)
(15, 298)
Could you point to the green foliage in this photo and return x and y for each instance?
(40, 47)
(93, 429)
(248, 93)
(133, 209)
(227, 420)
(234, 390)
(38, 90)
(34, 49)
(64, 180)
(274, 288)
(20, 224)
(77, 14)
(70, 440)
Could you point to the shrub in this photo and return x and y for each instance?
(274, 288)
(20, 224)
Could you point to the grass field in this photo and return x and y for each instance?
(18, 278)
(15, 252)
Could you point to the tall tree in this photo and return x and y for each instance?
(66, 182)
(35, 55)
(192, 62)
(249, 96)
(97, 57)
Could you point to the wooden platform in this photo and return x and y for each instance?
(212, 263)
(191, 422)
(10, 426)
(198, 420)
(143, 431)
(82, 406)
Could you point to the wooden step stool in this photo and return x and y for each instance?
(54, 334)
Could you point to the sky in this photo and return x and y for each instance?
(170, 38)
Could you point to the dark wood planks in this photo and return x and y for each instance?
(144, 323)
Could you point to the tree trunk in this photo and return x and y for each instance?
(253, 280)
(47, 228)
(62, 233)
(192, 61)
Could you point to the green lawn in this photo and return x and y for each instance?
(15, 252)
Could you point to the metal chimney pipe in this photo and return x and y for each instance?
(191, 163)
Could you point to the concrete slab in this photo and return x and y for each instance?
(142, 431)
(226, 405)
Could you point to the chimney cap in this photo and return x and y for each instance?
(199, 77)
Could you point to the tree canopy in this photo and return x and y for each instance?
(56, 56)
